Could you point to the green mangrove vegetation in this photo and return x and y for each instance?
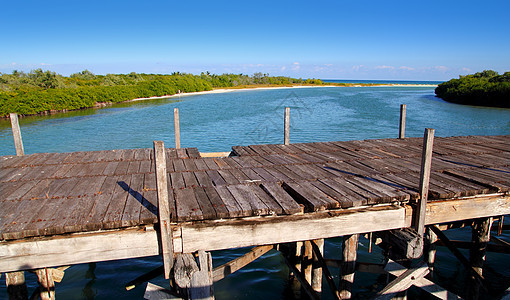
(42, 92)
(487, 88)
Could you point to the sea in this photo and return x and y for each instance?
(215, 123)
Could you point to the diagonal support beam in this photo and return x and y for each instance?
(403, 282)
(226, 269)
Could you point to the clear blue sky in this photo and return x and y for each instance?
(408, 40)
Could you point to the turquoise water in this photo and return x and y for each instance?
(215, 122)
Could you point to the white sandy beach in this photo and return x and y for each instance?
(219, 91)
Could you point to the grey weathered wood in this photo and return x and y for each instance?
(163, 206)
(16, 133)
(349, 255)
(202, 281)
(46, 284)
(286, 134)
(426, 162)
(403, 281)
(402, 128)
(230, 267)
(317, 265)
(430, 248)
(156, 292)
(184, 268)
(405, 243)
(430, 287)
(16, 286)
(480, 236)
(177, 129)
(318, 248)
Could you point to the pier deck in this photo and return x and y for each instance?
(67, 208)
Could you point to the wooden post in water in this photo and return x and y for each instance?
(46, 284)
(480, 235)
(286, 139)
(306, 265)
(163, 207)
(16, 133)
(349, 251)
(426, 163)
(177, 129)
(430, 248)
(16, 286)
(316, 268)
(402, 129)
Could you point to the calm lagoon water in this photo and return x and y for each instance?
(215, 122)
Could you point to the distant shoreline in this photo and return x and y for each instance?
(235, 89)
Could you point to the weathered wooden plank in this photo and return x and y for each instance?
(288, 204)
(187, 206)
(215, 199)
(190, 180)
(230, 203)
(248, 201)
(206, 207)
(131, 213)
(216, 177)
(203, 179)
(177, 181)
(228, 177)
(312, 198)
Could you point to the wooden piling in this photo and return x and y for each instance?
(286, 134)
(16, 133)
(163, 206)
(430, 248)
(46, 284)
(317, 267)
(402, 128)
(480, 236)
(16, 286)
(426, 163)
(177, 129)
(349, 251)
(307, 261)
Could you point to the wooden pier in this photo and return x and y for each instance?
(60, 209)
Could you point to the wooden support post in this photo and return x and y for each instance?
(430, 248)
(317, 265)
(402, 128)
(163, 207)
(202, 281)
(16, 286)
(480, 236)
(299, 276)
(350, 248)
(16, 133)
(426, 163)
(46, 284)
(177, 129)
(286, 139)
(306, 265)
(296, 257)
(318, 247)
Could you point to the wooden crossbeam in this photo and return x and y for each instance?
(403, 281)
(430, 287)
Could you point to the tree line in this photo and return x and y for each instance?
(39, 92)
(487, 88)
